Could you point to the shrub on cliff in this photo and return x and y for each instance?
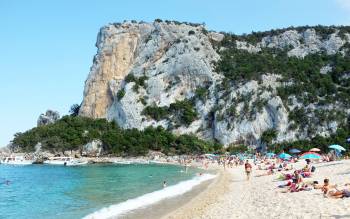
(120, 94)
(180, 112)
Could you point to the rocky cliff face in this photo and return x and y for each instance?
(143, 66)
(49, 117)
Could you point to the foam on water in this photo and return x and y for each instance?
(149, 199)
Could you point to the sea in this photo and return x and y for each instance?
(91, 191)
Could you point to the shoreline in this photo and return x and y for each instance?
(157, 203)
(167, 206)
(198, 204)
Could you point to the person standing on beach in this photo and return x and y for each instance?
(248, 169)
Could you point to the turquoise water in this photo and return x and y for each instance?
(44, 191)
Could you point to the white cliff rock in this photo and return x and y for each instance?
(299, 44)
(325, 69)
(49, 117)
(92, 149)
(177, 59)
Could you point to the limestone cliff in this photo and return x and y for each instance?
(140, 66)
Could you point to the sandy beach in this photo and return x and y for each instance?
(231, 196)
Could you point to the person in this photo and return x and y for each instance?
(339, 193)
(248, 169)
(164, 184)
(334, 192)
(325, 187)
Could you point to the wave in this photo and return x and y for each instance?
(149, 198)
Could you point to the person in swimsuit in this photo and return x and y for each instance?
(325, 187)
(248, 169)
(343, 193)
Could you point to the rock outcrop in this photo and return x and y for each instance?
(48, 118)
(175, 60)
(92, 149)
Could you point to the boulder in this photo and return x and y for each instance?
(92, 149)
(49, 117)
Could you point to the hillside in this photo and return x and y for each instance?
(292, 83)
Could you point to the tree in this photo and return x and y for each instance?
(74, 110)
(268, 136)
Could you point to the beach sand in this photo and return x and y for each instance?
(231, 196)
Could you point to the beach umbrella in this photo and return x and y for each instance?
(310, 155)
(294, 151)
(315, 150)
(284, 156)
(337, 147)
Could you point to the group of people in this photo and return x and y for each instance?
(296, 181)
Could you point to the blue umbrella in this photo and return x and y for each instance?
(337, 147)
(294, 151)
(310, 155)
(284, 156)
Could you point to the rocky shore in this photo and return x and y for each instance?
(152, 157)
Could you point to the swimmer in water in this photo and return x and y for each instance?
(7, 182)
(164, 184)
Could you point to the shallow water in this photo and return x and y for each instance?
(44, 191)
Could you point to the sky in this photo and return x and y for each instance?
(47, 47)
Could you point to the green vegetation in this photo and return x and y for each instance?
(201, 93)
(235, 149)
(184, 111)
(180, 112)
(139, 81)
(255, 37)
(268, 136)
(74, 110)
(300, 77)
(156, 113)
(120, 94)
(191, 32)
(71, 133)
(303, 75)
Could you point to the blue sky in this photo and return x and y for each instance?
(47, 47)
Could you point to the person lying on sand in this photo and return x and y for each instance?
(343, 193)
(325, 187)
(294, 186)
(269, 172)
(338, 193)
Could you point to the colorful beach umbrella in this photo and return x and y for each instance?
(284, 156)
(310, 155)
(294, 151)
(337, 147)
(315, 150)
